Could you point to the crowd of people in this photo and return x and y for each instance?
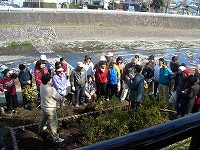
(105, 79)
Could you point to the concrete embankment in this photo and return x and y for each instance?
(64, 27)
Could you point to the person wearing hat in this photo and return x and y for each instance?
(102, 59)
(101, 79)
(7, 85)
(196, 107)
(109, 58)
(156, 75)
(180, 84)
(78, 79)
(113, 79)
(165, 77)
(197, 73)
(188, 95)
(47, 64)
(60, 81)
(25, 79)
(88, 66)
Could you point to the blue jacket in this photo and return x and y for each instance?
(165, 76)
(136, 86)
(112, 76)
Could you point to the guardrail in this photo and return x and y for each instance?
(156, 137)
(63, 10)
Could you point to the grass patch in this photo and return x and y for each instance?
(12, 26)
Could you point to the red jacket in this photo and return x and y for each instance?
(8, 84)
(101, 77)
(38, 76)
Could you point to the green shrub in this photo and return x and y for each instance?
(18, 43)
(48, 5)
(30, 93)
(120, 122)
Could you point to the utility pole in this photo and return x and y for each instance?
(113, 4)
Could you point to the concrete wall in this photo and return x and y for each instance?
(129, 19)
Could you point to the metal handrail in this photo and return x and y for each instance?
(156, 137)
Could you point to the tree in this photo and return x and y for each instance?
(157, 4)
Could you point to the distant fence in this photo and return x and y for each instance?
(156, 137)
(88, 16)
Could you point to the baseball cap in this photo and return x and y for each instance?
(80, 64)
(110, 54)
(43, 57)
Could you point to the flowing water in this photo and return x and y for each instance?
(191, 57)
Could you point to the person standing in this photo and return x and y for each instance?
(60, 81)
(43, 58)
(148, 74)
(65, 67)
(165, 77)
(7, 85)
(128, 71)
(78, 79)
(174, 65)
(136, 86)
(88, 66)
(39, 71)
(25, 79)
(113, 79)
(156, 75)
(101, 79)
(188, 95)
(49, 98)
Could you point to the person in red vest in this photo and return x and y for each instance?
(7, 85)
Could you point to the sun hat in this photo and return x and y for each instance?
(80, 64)
(182, 68)
(43, 57)
(102, 58)
(198, 67)
(110, 54)
(59, 69)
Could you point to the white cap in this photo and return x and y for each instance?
(102, 58)
(80, 64)
(59, 69)
(110, 54)
(182, 68)
(43, 57)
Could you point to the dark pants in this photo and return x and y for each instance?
(111, 90)
(135, 105)
(11, 102)
(25, 100)
(101, 89)
(80, 94)
(196, 108)
(155, 87)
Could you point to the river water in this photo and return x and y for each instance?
(191, 57)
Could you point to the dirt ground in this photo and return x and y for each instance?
(72, 135)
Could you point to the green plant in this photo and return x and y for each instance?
(120, 122)
(30, 93)
(18, 43)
